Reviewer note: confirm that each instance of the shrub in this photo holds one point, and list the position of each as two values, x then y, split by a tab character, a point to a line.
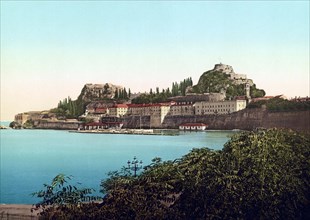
258	175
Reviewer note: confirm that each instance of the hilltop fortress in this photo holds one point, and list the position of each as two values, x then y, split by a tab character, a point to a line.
219	92
101	106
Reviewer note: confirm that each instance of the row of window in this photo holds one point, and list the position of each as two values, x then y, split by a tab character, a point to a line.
215	111
215	106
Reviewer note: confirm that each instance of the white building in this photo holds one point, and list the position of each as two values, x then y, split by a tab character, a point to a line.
222	107
182	109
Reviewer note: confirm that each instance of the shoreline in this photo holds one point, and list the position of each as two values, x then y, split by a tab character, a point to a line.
129	131
18	211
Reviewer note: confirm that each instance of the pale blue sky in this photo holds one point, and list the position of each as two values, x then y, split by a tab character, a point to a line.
50	49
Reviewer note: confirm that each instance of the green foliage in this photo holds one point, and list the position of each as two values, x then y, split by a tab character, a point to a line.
255	93
235	90
28	124
14	124
258	175
158	97
270	171
180	88
69	108
278	105
121	94
257	104
215	81
60	194
151	98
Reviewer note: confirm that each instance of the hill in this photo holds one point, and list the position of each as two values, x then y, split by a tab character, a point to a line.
222	78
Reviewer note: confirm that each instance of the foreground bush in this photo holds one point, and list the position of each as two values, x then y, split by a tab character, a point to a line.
257	175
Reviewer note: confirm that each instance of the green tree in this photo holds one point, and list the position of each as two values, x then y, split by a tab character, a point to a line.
61	194
125	93
258	175
116	96
129	93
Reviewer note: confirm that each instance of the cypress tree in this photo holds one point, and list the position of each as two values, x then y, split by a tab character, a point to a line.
116	94
125	94
129	93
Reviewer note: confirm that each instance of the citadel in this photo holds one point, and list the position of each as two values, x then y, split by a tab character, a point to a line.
191	108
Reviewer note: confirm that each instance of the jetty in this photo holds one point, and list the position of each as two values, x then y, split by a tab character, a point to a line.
126	131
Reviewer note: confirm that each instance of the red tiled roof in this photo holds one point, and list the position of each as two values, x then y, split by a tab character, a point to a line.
120	106
100	110
148	105
240	98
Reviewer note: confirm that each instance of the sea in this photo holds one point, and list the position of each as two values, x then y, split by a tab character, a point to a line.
30	158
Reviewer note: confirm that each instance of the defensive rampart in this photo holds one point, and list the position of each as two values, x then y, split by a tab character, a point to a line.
58	125
248	119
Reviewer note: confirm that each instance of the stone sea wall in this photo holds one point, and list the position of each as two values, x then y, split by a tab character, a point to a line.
247	120
58	125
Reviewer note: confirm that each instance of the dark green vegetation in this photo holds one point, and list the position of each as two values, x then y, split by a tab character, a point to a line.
216	81
122	94
15	125
157	96
278	105
69	108
258	175
62	194
29	124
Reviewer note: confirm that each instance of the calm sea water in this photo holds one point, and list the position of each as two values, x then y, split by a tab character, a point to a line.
30	158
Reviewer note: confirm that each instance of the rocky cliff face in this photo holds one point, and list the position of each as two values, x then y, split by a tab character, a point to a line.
93	92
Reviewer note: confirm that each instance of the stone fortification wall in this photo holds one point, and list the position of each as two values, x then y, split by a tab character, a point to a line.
59	125
247	120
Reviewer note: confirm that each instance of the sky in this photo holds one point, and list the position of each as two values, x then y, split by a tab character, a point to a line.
50	49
